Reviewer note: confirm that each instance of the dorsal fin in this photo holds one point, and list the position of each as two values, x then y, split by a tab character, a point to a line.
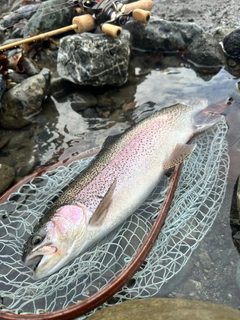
179	154
102	209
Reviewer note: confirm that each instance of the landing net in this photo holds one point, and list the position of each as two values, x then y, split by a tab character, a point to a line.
197	201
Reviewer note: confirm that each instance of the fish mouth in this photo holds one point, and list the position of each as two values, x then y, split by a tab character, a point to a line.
34	260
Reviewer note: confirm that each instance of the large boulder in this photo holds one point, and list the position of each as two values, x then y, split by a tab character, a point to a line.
94	59
200	47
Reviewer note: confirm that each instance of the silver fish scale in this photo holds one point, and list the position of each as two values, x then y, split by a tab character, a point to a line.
135	153
89	190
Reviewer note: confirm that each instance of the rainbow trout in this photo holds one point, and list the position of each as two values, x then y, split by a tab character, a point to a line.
113	186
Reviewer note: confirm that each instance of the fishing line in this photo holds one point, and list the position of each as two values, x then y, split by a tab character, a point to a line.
70	4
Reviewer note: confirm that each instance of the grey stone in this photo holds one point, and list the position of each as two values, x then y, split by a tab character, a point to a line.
94	59
81	100
201	47
166	309
3	86
22	101
231	44
238	197
47	74
163	35
7	175
43	20
30	67
205	50
24	12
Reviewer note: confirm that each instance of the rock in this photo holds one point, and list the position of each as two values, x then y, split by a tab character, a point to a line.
82	100
21	153
7	175
3	86
24	12
44	21
94	59
238	197
202	47
166	309
205	50
30	67
22	101
163	35
231	44
47	74
16	78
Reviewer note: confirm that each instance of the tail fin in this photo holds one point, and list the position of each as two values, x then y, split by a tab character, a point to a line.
210	116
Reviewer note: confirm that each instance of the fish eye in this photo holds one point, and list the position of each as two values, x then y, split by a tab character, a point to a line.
37	240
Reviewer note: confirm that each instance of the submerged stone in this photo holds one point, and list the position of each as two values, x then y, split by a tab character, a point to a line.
7	175
22	101
166	309
94	59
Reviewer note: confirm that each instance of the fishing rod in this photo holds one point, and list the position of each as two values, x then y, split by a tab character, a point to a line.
109	15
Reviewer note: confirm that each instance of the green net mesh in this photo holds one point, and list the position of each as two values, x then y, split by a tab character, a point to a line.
197	201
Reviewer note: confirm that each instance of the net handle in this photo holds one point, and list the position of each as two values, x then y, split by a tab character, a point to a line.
107	291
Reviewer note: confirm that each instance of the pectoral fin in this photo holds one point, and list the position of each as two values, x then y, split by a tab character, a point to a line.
102	209
179	154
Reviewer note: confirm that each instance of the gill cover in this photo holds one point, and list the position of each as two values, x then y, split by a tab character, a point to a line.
62	236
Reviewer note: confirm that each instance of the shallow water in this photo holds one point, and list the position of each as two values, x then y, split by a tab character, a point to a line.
60	132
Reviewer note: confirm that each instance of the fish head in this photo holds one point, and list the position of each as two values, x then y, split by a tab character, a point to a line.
58	241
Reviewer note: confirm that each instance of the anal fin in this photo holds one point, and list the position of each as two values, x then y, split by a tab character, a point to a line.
179	154
102	209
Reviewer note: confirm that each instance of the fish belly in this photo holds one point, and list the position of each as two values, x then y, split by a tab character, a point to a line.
137	168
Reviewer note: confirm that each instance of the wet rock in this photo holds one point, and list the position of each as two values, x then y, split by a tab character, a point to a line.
7	175
231	44
24	165
24	12
163	35
22	101
30	67
202	48
16	78
21	154
94	59
205	50
3	86
48	18
82	100
166	309
47	74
